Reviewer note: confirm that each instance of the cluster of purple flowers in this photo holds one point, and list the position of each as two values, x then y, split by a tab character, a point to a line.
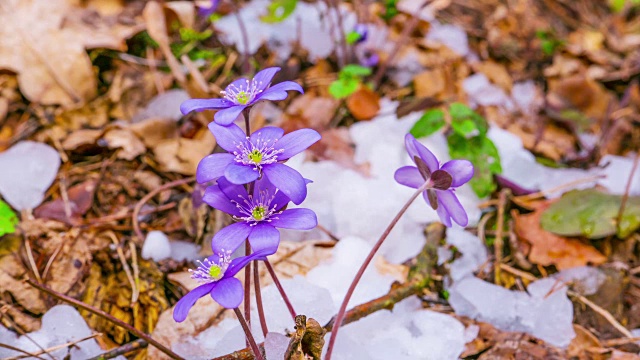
251	184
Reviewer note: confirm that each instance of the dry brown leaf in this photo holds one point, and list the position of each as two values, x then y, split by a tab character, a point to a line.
80	199
550	249
126	141
496	73
154	17
311	112
429	83
364	104
71	262
44	42
11	273
336	145
183	155
153	131
582	342
184	10
79	138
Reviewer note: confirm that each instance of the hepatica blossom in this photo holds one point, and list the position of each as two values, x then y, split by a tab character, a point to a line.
444	179
216	274
257	215
260	154
241	94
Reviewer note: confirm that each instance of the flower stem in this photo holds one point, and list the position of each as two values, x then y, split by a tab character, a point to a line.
343	307
247	332
247	285
281	289
256	283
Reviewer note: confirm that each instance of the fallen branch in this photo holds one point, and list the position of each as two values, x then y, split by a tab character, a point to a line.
135	345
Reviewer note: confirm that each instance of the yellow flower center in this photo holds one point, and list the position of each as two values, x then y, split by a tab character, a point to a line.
242	97
215	271
258	212
255	156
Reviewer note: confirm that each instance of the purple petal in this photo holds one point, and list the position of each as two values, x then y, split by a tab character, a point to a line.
228	137
204	104
279	91
264	77
238	84
185	304
212	167
449	201
264	237
230	238
415	148
238	263
460	170
444	216
229	115
241	174
409	176
232	191
296	142
265	186
218	200
297	219
268	134
228	292
287	180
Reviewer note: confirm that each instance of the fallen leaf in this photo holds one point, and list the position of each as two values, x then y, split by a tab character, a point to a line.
364	104
308	111
44	42
183	155
11	274
153	15
154	131
126	141
72	260
550	249
429	83
80	199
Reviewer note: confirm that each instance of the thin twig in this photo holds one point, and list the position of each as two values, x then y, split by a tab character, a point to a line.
32	262
57	347
152	193
498	244
7	346
105	315
604	313
283	294
135	345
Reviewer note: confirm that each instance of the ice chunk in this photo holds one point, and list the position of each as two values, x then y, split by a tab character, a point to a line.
337	274
275	345
28	169
441	336
452	36
482	92
156	246
306	298
617	174
183	250
471	333
474	253
545	312
527	97
584	279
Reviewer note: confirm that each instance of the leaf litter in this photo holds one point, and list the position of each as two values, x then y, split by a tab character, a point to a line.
538	93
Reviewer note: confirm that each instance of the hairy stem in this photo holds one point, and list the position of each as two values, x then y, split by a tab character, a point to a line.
247	286
343	307
252	342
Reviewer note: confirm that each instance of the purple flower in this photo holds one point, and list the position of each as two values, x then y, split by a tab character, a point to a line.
241	94
260	154
207	11
216	273
444	179
258	215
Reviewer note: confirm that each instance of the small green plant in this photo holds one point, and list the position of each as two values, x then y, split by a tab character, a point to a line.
390	9
8	219
549	43
467	140
618	5
349	79
189	44
279	10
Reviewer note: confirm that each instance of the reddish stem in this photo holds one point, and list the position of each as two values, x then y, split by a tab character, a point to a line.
343	307
256	283
247	332
281	289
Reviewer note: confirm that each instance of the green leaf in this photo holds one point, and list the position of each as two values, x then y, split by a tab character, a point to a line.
352	37
189	35
481	151
591	213
355	71
430	122
616	5
8	219
342	88
461	115
279	10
